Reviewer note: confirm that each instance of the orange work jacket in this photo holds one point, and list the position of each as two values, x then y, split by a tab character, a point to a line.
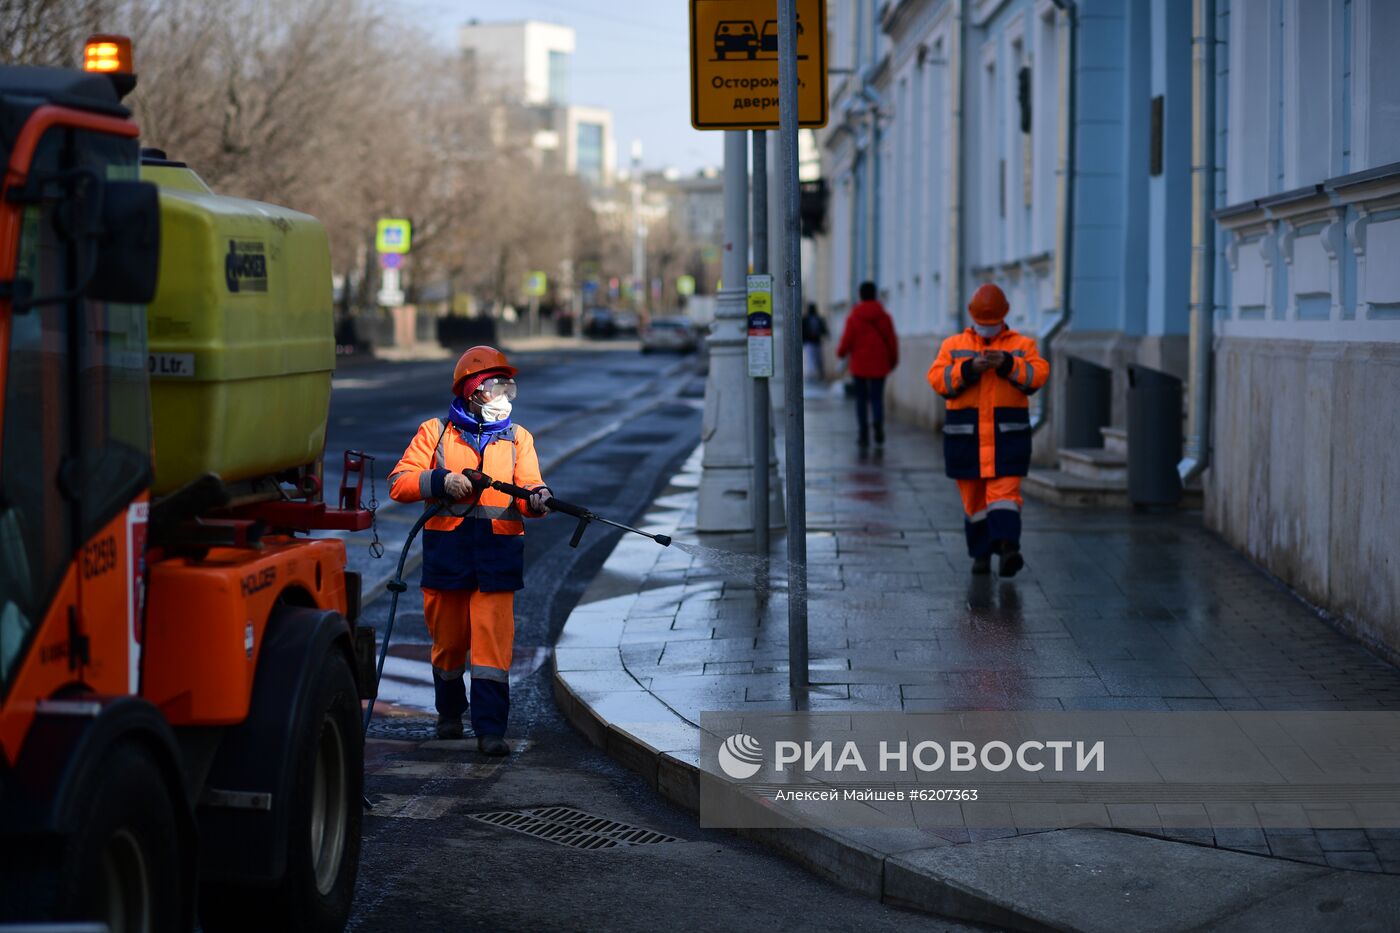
477	543
987	431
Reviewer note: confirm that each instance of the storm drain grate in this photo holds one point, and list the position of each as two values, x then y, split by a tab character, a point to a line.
573	828
407	728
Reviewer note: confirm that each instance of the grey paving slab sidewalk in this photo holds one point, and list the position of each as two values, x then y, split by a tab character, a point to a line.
1115	611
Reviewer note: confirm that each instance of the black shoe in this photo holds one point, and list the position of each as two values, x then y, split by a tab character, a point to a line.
1011	562
492	745
863	442
879	435
449	727
981	565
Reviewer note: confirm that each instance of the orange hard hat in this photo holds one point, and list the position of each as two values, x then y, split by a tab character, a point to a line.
480	361
988	305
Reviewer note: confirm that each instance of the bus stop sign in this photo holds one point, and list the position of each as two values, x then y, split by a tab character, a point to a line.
734	64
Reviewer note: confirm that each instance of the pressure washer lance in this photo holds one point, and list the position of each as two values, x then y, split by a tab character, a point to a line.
397	586
583	515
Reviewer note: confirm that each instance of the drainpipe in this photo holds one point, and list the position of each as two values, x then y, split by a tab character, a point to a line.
1197	447
872	214
954	284
1064	249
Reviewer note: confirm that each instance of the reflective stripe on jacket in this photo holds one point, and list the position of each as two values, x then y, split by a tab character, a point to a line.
474	544
987	431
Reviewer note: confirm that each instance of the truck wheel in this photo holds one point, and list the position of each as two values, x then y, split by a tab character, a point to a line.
122	865
324	834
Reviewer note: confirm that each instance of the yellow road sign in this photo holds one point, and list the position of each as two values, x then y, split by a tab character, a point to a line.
393	235
734	64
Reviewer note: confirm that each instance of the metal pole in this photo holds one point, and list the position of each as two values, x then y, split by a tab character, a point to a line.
792	346
761	404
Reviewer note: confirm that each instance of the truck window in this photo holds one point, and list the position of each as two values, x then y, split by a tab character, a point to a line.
35	517
115	441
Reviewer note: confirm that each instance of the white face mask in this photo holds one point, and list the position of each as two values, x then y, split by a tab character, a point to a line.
987	331
497	410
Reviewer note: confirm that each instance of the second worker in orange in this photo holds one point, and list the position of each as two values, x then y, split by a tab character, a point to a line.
987	374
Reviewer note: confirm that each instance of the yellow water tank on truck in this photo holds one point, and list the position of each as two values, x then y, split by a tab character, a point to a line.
241	331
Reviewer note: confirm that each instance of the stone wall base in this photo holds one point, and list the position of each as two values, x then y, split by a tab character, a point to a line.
1304	476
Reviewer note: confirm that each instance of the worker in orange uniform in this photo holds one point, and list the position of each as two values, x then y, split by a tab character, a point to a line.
474	550
988	374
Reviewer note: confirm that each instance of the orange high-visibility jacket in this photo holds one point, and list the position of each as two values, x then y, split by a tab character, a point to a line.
476	543
987	431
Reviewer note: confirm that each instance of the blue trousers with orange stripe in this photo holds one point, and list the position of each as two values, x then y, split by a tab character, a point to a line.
993	513
473	635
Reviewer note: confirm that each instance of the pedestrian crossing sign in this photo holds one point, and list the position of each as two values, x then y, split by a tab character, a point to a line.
393	235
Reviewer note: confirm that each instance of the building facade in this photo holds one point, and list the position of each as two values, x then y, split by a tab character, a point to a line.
527	68
1307	355
1145	177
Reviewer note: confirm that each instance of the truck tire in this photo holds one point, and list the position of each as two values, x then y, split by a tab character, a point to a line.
122	865
326	812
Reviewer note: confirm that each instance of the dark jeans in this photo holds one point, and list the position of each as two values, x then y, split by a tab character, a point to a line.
869	392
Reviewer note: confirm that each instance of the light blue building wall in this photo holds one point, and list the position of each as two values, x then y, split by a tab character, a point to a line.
1169	190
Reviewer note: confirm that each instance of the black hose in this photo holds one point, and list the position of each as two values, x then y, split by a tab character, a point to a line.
396	586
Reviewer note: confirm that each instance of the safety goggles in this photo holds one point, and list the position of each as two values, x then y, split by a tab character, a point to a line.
497	386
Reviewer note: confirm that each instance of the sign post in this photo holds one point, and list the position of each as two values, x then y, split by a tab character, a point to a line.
761	350
789	42
393	237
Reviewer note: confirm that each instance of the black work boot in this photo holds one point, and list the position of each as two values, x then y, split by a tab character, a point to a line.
492	745
1011	561
449	727
981	565
879	435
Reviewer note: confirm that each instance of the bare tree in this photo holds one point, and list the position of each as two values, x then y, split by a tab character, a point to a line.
334	108
50	32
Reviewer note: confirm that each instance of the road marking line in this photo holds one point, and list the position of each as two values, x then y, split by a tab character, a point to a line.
439	770
412	807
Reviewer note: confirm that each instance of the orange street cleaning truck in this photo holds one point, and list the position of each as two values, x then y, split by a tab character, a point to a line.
180	673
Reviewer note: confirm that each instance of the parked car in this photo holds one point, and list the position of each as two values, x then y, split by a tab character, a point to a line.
626	322
670	334
599	323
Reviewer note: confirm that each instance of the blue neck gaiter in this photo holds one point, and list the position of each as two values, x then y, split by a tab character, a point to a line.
479	431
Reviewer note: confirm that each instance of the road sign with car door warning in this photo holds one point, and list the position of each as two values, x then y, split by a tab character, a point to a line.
734	64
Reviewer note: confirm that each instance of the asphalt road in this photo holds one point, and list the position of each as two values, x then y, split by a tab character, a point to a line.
428	863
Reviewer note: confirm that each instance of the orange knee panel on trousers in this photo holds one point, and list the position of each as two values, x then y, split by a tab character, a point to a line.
977	494
470	627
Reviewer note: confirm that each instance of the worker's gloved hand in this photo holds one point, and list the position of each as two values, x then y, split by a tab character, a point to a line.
457	486
538	497
479	480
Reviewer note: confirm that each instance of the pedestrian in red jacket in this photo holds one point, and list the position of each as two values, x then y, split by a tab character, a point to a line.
869	341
